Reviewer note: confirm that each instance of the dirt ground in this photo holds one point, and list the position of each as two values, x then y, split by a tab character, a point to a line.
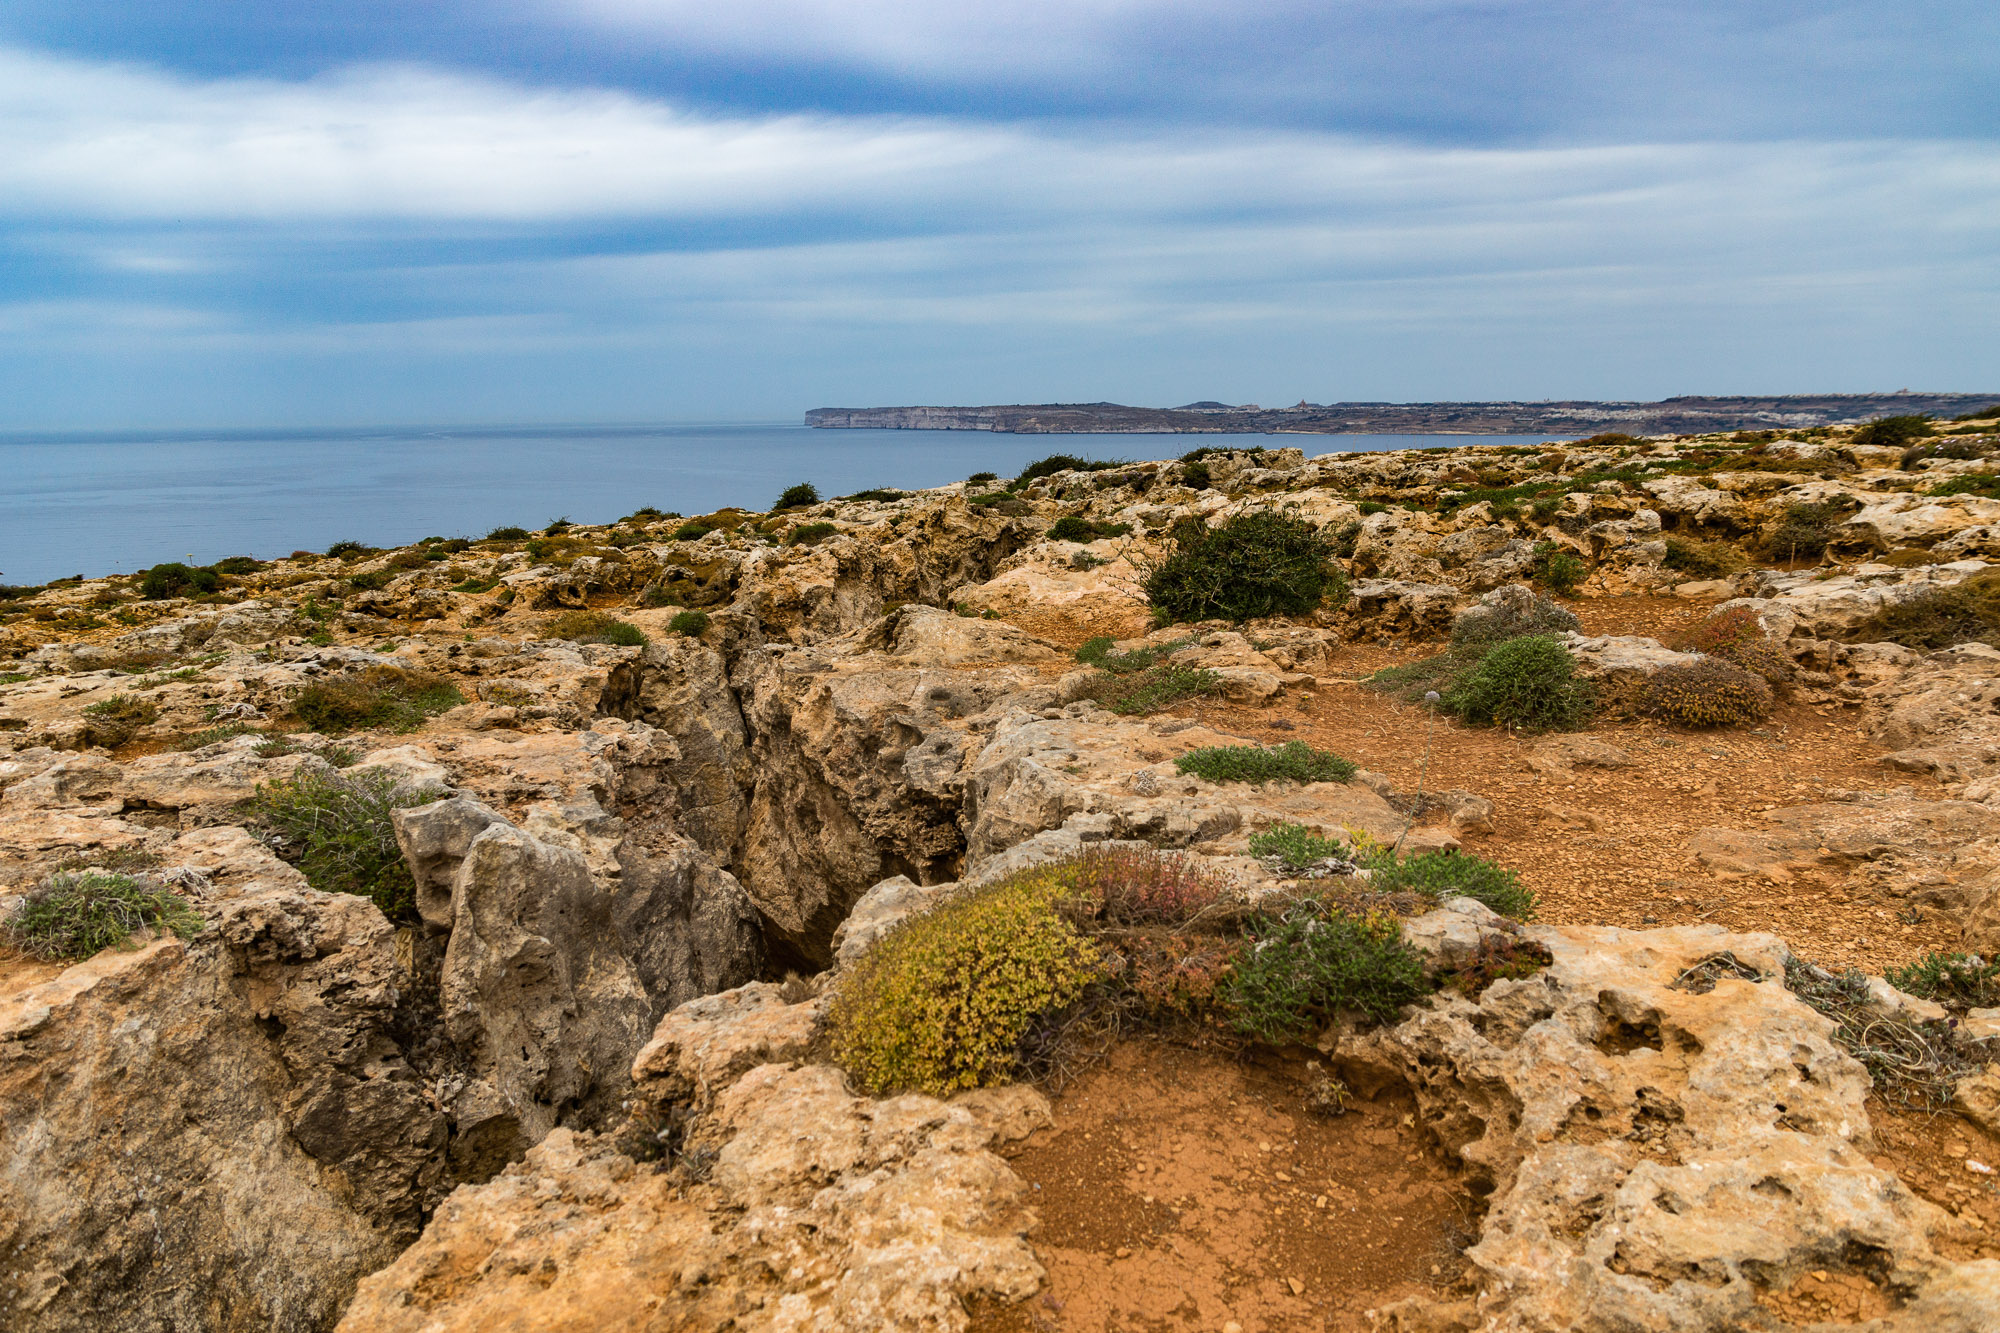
1191	1189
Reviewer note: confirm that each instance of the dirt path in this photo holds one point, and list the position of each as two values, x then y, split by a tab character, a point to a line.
1186	1189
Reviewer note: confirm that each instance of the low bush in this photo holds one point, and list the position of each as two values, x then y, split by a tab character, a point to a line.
1211	451
1968	980
195	740
811	534
1702	560
1804	530
596	627
370	580
1303	969
1709	693
694	624
876	495
1454	874
1498	621
1154	688
235	565
1556	569
346	549
72	916
1252	565
1894	431
978	478
1294	849
1608	439
384	697
336	829
1071	528
1963	612
945	1000
556	527
114	721
1054	463
1959	450
175	579
507	534
1983	414
1099	652
1736	636
1135	887
1496	958
798	497
1196	476
1528	684
1985	484
1294	760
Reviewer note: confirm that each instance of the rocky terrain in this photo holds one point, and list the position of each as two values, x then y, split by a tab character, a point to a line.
622	806
1567	417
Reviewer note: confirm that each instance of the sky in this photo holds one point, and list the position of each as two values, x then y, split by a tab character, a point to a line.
339	212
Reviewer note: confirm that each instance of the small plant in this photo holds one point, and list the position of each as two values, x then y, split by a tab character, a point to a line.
1196	476
1528	683
1252	565
1500	620
1071	528
1152	689
811	534
1805	530
1910	1064
1054	463
236	565
944	1001
1702	560
112	722
382	697
1454	874
1099	652
1134	887
557	526
73	916
694	624
694	529
196	740
979	477
1303	969
798	497
1545	507
1294	760
370	581
175	579
1556	569
346	549
1894	431
1736	636
1497	958
1709	693
1964	612
336	830
596	627
1968	980
1295	850
876	495
507	534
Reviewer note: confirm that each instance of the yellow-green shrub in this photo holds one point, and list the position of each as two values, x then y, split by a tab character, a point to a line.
943	1001
1708	693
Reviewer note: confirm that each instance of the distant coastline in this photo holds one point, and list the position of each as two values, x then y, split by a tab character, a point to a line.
1670	416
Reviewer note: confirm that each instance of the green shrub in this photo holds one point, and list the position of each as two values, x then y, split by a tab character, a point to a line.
1152	689
345	549
1252	565
694	624
945	1000
1735	636
370	580
1070	528
811	534
1546	507
1292	848
1368	507
234	565
1964	612
1892	431
876	495
596	627
1983	414
1966	979
1702	560
195	740
114	721
1196	476
1098	652
1303	969
1556	569
175	579
1142	887
1054	463
799	496
979	477
507	534
384	697
1454	874
336	830
557	526
1500	620
1608	439
1709	693
1294	760
1529	684
1804	530
1346	538
72	916
1210	451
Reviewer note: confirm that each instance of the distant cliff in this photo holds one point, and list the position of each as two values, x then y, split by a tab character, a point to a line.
1678	416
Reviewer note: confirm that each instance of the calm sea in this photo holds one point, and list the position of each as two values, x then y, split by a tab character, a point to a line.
102	504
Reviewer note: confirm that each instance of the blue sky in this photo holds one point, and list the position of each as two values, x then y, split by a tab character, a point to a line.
620	210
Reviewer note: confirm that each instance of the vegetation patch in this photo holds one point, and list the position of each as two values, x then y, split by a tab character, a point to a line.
1295	851
694	624
811	534
1500	621
73	916
116	720
1962	980
1894	431
1152	689
1071	528
1913	1065
1556	569
175	579
1528	684
876	495
596	627
1702	560
1964	612
798	497
1454	874
336	829
1306	967
1294	760
195	740
509	533
347	550
380	697
1054	463
945	1001
1805	530
1709	693
1252	565
1737	637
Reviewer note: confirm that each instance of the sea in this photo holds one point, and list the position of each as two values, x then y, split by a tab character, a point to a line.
98	504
